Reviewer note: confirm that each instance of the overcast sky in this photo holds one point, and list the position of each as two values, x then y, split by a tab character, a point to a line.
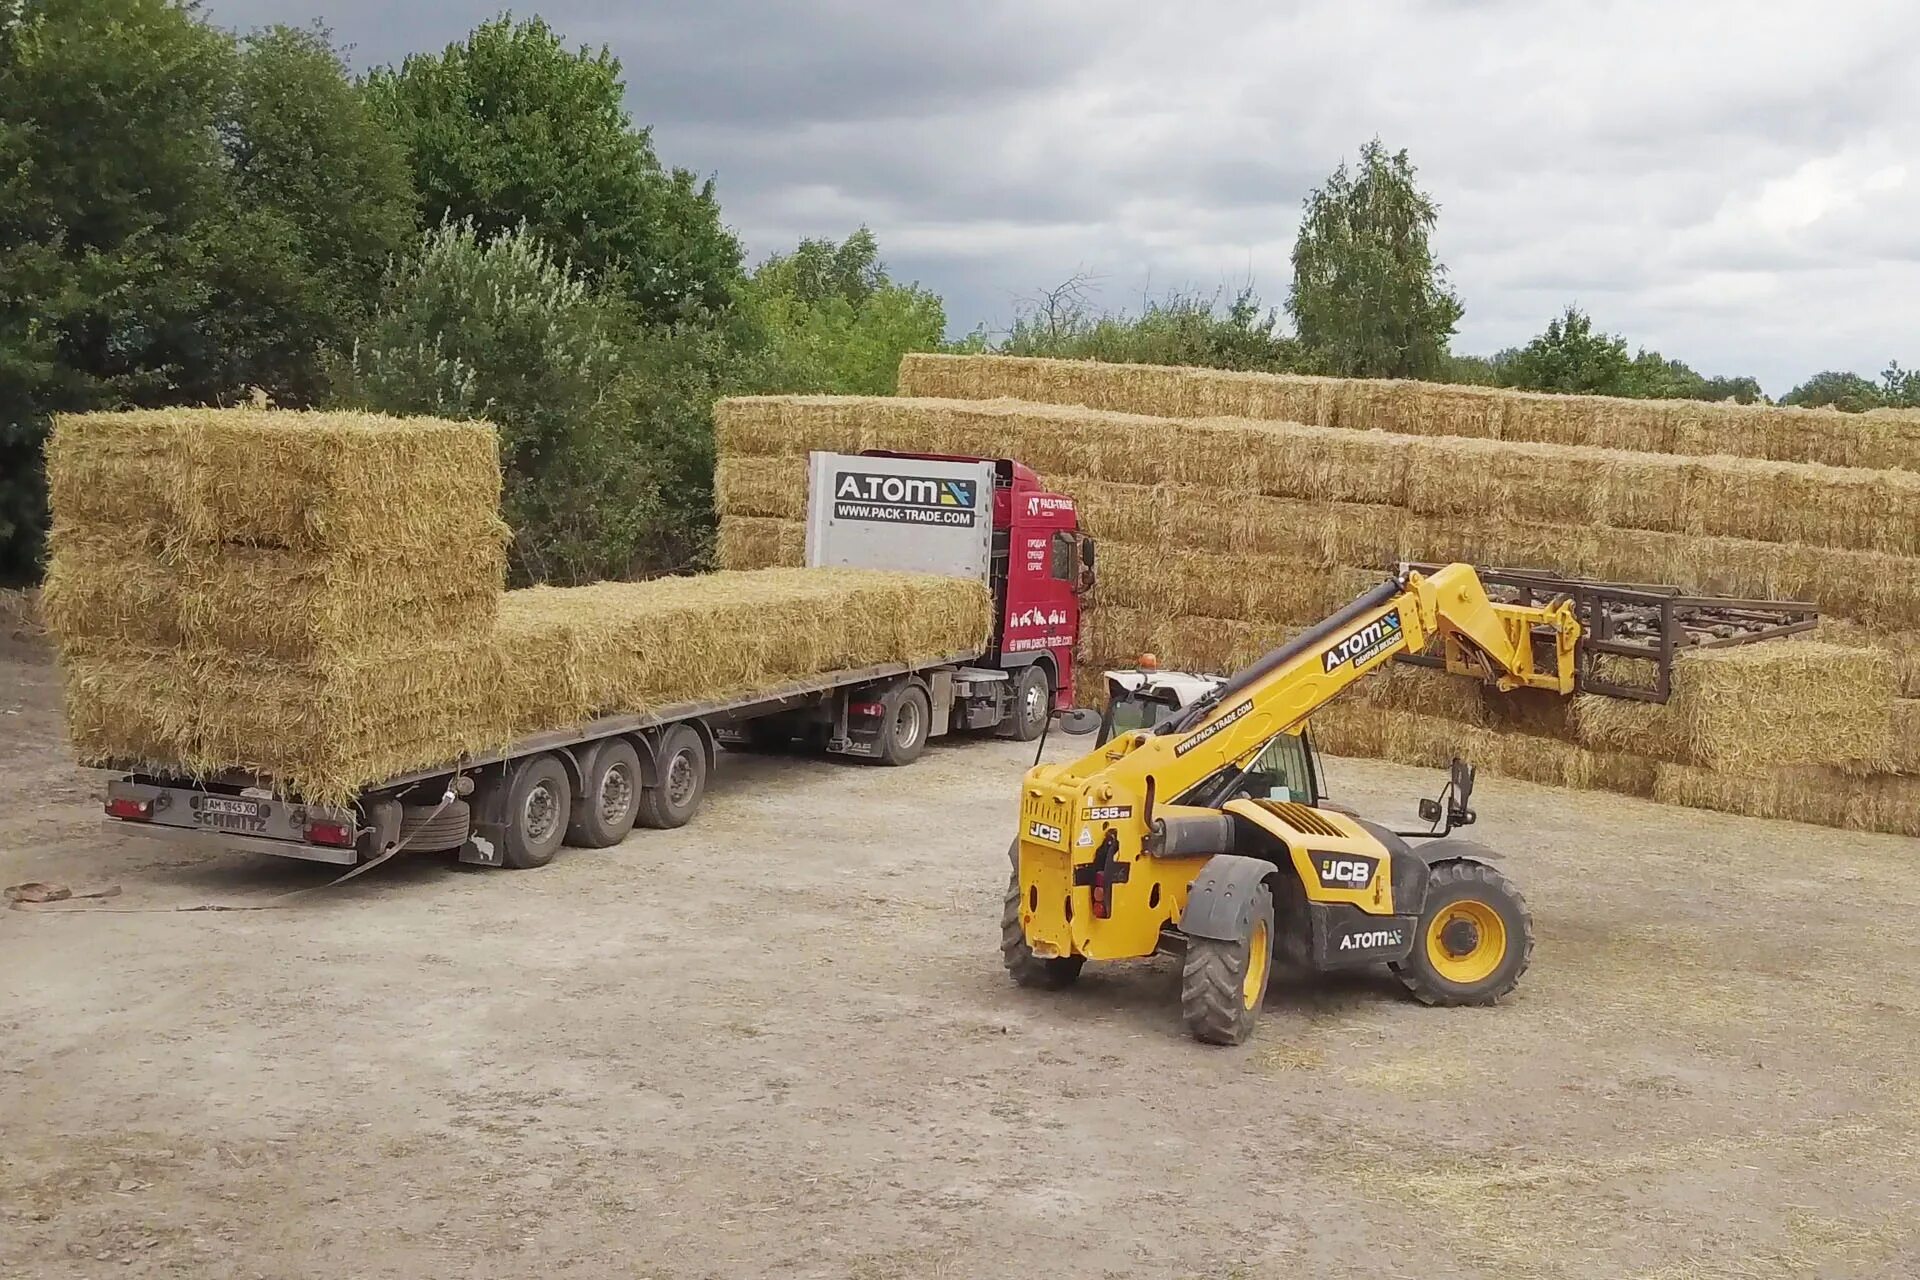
1733	182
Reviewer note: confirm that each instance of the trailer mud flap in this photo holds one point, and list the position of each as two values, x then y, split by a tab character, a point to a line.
484	844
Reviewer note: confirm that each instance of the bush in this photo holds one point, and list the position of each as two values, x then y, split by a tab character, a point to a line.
604	434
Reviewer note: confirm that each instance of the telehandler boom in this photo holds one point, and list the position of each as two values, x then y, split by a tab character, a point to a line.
1206	827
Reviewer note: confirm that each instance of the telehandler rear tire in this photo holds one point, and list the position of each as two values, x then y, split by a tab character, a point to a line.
1224	983
1045	973
1474	940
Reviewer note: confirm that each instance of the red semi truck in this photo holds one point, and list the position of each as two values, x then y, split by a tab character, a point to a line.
988	519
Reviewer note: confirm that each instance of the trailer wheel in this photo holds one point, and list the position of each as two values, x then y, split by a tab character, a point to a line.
539	801
903	731
605	809
1032	703
680	780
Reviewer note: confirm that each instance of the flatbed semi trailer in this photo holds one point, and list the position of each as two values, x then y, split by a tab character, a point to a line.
588	785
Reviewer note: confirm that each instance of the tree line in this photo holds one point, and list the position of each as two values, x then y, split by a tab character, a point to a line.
189	216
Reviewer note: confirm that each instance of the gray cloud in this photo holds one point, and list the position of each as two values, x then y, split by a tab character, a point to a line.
1736	184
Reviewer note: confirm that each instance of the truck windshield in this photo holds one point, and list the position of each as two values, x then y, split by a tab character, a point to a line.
1127	714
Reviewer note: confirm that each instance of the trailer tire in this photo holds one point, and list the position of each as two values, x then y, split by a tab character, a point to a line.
679	780
431	828
903	730
1032	703
609	799
539	803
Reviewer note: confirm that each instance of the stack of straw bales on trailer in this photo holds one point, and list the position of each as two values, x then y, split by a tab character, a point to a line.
317	598
1234	509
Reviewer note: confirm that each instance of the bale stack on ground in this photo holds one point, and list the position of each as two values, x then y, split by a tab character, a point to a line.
1885	439
1221	535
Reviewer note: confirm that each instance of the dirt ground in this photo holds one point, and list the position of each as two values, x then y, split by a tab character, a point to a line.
779	1043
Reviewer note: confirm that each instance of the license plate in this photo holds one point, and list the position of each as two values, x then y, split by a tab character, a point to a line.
230	807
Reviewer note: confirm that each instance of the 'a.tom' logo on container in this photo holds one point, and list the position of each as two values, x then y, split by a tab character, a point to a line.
894	499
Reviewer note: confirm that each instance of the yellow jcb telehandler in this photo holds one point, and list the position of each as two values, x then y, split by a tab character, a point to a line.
1198	822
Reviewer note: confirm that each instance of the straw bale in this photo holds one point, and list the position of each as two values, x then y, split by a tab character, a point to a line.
321	730
1352	727
751	542
1404	687
1259	589
774	488
1211	646
645	645
1757	707
1902	647
1906	736
303	481
1539	712
1887	803
264	600
1877	441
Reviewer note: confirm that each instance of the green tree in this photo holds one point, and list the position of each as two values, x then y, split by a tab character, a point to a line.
600	420
510	127
1834	389
111	179
321	201
1657	378
1180	329
1900	388
1368	298
1570	357
827	318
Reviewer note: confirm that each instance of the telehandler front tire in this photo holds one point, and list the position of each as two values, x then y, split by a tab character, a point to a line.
1044	973
1224	982
1474	940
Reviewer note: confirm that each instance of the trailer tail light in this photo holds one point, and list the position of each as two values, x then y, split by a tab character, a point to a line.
130	809
337	834
875	709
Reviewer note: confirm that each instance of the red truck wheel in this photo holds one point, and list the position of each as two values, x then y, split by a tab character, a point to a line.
1032	704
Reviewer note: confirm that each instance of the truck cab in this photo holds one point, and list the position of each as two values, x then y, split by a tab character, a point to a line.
988	519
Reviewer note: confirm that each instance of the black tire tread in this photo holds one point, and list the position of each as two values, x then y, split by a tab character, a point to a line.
1212	976
421	831
514	851
584	827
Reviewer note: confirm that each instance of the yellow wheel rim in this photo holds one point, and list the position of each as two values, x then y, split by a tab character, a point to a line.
1466	941
1258	948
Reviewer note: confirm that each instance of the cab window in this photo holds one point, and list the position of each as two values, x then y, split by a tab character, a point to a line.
1061	560
1281	771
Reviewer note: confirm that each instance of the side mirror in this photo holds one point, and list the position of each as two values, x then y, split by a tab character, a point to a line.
1080	721
1429	810
1087	574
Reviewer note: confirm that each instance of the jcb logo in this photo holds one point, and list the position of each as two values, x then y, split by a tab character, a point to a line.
1346	873
1043	831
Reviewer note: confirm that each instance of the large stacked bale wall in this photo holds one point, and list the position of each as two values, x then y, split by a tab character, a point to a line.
1219	537
317	598
1883	439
